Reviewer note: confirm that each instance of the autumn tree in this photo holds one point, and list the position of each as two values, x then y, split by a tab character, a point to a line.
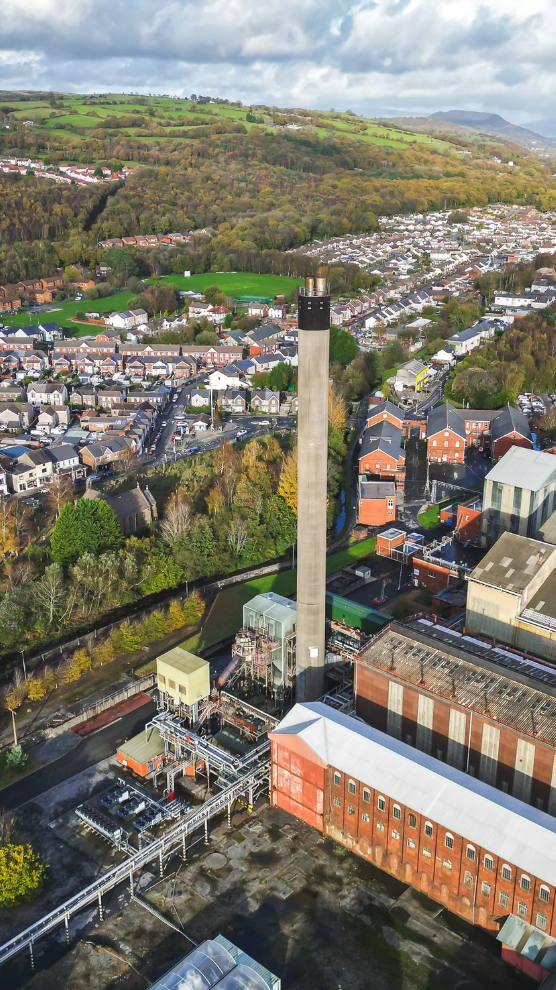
287	486
176	617
193	608
215	501
8	536
14	698
21	874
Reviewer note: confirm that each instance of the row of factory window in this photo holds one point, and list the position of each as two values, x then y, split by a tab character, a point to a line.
488	862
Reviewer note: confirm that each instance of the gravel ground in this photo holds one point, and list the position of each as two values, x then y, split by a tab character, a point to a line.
313	913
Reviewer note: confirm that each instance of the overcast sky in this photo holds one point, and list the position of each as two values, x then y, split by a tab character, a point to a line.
419	55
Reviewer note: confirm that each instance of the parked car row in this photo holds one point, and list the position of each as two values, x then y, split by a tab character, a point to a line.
530	404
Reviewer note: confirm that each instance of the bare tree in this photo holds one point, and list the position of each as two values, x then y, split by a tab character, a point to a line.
237	535
50	592
128	462
177	518
61	490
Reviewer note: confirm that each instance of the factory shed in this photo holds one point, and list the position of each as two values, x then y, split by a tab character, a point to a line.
493	821
142	753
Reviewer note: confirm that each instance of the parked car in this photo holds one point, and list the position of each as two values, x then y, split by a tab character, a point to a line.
380	599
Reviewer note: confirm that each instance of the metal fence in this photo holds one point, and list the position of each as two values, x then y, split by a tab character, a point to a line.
100	706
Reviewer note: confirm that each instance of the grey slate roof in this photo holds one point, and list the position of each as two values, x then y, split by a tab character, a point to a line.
445	417
384	436
387	407
509	420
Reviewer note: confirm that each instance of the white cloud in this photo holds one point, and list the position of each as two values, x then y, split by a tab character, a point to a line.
494	55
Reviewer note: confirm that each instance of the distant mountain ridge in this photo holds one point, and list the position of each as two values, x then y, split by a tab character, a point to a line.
493	123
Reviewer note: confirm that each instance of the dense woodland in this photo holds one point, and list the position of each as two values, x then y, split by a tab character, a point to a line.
261	191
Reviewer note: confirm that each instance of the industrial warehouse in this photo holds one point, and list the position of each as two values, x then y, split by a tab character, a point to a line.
424	745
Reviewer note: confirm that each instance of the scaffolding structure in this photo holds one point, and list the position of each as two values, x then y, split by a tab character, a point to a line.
261	658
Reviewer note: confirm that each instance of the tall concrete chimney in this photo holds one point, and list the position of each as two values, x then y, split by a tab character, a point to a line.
312	450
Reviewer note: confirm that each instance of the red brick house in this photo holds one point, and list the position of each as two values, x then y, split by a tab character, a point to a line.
385	412
468	522
377	503
381	454
450	431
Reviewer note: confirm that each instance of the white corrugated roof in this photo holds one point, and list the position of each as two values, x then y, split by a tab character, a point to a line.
530	469
497	822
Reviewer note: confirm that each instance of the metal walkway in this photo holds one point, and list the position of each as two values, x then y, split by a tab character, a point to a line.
252	776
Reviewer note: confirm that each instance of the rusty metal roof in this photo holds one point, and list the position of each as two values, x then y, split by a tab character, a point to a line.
487	678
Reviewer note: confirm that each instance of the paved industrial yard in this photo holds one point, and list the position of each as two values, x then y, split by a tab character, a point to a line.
316	915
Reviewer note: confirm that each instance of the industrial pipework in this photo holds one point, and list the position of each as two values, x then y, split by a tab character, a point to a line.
314	345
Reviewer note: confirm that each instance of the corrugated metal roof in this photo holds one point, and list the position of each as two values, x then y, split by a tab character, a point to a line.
524	468
442	661
273	606
481	814
143	747
528	941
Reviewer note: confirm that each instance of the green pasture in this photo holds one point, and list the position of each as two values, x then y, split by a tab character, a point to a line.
62	312
239	284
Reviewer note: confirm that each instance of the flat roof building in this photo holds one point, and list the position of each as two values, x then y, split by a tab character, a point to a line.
477	705
143	753
511	595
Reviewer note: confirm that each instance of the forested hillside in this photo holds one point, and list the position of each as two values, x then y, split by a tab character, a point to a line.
262	180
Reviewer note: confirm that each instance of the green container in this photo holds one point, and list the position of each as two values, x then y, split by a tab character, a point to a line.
368	620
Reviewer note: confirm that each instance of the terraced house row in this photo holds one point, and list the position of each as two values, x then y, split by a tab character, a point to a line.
105	355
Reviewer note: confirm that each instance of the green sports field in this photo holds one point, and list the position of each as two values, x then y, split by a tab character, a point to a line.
63	312
241	285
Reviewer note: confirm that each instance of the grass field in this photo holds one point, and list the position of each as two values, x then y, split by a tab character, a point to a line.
239	284
62	312
225	616
73	111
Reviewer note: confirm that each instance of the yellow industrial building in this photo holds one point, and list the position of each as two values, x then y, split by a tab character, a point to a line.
183	679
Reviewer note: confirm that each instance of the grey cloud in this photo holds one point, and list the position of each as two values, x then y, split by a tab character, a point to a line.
494	56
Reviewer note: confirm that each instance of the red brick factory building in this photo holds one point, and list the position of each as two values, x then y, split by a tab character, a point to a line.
482	854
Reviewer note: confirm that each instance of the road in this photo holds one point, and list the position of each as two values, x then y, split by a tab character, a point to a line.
86	753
